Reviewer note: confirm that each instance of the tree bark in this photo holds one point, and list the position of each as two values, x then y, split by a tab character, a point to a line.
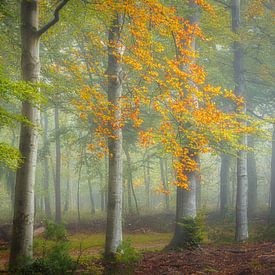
272	187
46	168
148	183
164	183
241	200
130	185
198	186
114	209
186	202
57	168
252	179
78	192
185	207
224	184
91	196
22	233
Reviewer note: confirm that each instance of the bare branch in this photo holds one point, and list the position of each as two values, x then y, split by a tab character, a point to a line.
54	20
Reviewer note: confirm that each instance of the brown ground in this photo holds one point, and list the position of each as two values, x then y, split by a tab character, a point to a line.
211	259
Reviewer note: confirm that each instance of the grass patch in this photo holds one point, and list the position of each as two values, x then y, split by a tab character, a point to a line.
94	243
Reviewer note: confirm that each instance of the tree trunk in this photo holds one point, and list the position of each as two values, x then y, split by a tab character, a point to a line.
164	183
22	233
148	183
272	187
57	168
91	196
252	179
130	185
78	192
68	190
241	200
185	207
46	168
114	209
102	192
186	202
198	186
224	184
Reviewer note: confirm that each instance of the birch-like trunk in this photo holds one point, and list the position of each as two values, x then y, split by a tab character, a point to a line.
224	184
164	182
46	169
57	168
252	179
22	233
241	200
114	206
272	187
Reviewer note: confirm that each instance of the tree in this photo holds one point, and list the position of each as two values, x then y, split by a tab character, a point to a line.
272	187
114	71
241	201
22	232
224	186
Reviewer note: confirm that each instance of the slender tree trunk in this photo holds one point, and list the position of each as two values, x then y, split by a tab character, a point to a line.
91	196
130	185
129	190
224	184
241	200
22	232
148	183
68	190
46	168
57	168
198	186
252	179
272	187
78	192
102	192
164	183
114	210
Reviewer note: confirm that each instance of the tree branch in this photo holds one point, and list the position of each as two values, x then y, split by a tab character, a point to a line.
54	20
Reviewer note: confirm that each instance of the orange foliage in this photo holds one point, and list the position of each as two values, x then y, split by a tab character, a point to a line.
191	121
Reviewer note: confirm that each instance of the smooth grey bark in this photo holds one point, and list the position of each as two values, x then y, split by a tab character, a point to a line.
130	186
114	209
91	195
242	183
198	185
252	178
224	184
102	192
22	232
185	207
46	168
57	167
186	202
164	182
272	186
148	183
78	192
68	197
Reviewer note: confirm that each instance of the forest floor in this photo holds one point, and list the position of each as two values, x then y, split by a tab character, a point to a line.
256	258
218	254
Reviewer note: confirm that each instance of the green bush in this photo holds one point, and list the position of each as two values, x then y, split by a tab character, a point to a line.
55	232
126	253
57	262
191	233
